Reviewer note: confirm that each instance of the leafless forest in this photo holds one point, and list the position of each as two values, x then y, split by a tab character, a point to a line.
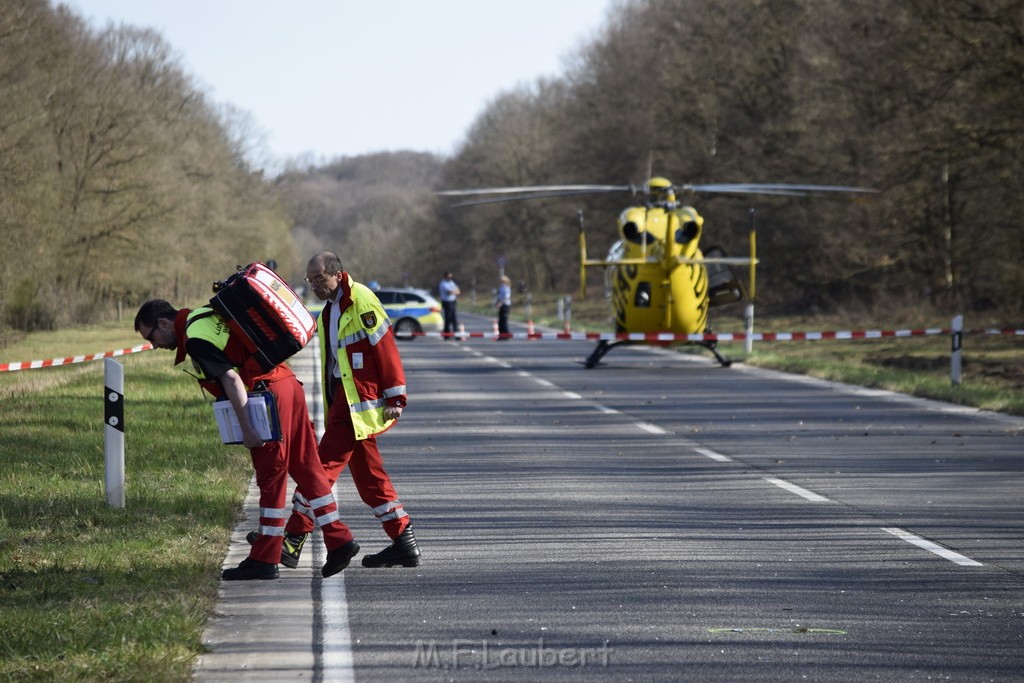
120	180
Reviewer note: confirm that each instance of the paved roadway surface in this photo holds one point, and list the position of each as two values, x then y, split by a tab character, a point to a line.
657	518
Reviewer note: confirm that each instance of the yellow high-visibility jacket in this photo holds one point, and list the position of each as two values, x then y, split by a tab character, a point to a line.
367	357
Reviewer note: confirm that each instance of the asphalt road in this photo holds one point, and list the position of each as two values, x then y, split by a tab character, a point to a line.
662	518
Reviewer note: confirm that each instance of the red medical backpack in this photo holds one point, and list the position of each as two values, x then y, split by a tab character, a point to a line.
272	319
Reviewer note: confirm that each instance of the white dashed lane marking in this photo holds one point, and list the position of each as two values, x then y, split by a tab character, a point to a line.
944	553
714	456
781	483
800	491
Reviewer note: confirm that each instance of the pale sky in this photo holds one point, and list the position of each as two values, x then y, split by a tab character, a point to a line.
347	77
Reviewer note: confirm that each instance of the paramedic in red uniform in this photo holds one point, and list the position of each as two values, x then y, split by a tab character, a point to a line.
223	367
364	391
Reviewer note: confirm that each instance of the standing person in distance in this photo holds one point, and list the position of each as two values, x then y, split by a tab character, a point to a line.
503	302
449	293
224	367
364	394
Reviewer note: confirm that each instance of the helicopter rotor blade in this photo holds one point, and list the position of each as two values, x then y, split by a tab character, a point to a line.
487	195
531	189
780	189
534	192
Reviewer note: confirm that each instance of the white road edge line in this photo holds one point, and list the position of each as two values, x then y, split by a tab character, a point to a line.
714	456
337	660
337	663
793	488
924	543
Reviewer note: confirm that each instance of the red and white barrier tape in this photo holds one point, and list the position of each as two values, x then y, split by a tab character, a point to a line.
721	336
55	362
663	337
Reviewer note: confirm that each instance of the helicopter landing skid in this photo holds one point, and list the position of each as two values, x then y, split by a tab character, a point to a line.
603	347
599	351
711	346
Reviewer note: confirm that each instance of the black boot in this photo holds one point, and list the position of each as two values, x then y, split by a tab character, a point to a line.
339	558
403	552
250	569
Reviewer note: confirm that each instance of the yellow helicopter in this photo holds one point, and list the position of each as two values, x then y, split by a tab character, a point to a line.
659	280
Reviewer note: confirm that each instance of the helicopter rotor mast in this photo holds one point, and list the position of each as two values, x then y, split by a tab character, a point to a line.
583	255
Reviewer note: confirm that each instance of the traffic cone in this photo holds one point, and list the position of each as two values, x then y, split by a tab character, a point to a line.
529	327
494	326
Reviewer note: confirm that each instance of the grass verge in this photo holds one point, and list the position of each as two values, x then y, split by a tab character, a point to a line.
92	592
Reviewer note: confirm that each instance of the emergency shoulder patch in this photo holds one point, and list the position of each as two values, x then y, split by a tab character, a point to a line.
369	319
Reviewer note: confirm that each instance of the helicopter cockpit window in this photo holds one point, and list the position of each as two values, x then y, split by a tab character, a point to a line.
631	231
686	233
642	298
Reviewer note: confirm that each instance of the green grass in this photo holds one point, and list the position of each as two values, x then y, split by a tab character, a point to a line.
92	592
992	377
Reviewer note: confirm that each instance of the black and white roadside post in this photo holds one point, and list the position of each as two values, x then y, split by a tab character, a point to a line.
958	350
113	418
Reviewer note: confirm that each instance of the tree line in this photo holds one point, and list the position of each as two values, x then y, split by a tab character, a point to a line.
120	180
920	99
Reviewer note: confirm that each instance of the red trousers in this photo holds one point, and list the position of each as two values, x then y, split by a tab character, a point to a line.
295	455
338	448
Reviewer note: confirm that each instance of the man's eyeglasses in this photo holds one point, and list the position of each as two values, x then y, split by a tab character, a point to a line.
318	280
152	331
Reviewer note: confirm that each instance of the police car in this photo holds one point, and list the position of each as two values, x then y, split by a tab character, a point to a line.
411	311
